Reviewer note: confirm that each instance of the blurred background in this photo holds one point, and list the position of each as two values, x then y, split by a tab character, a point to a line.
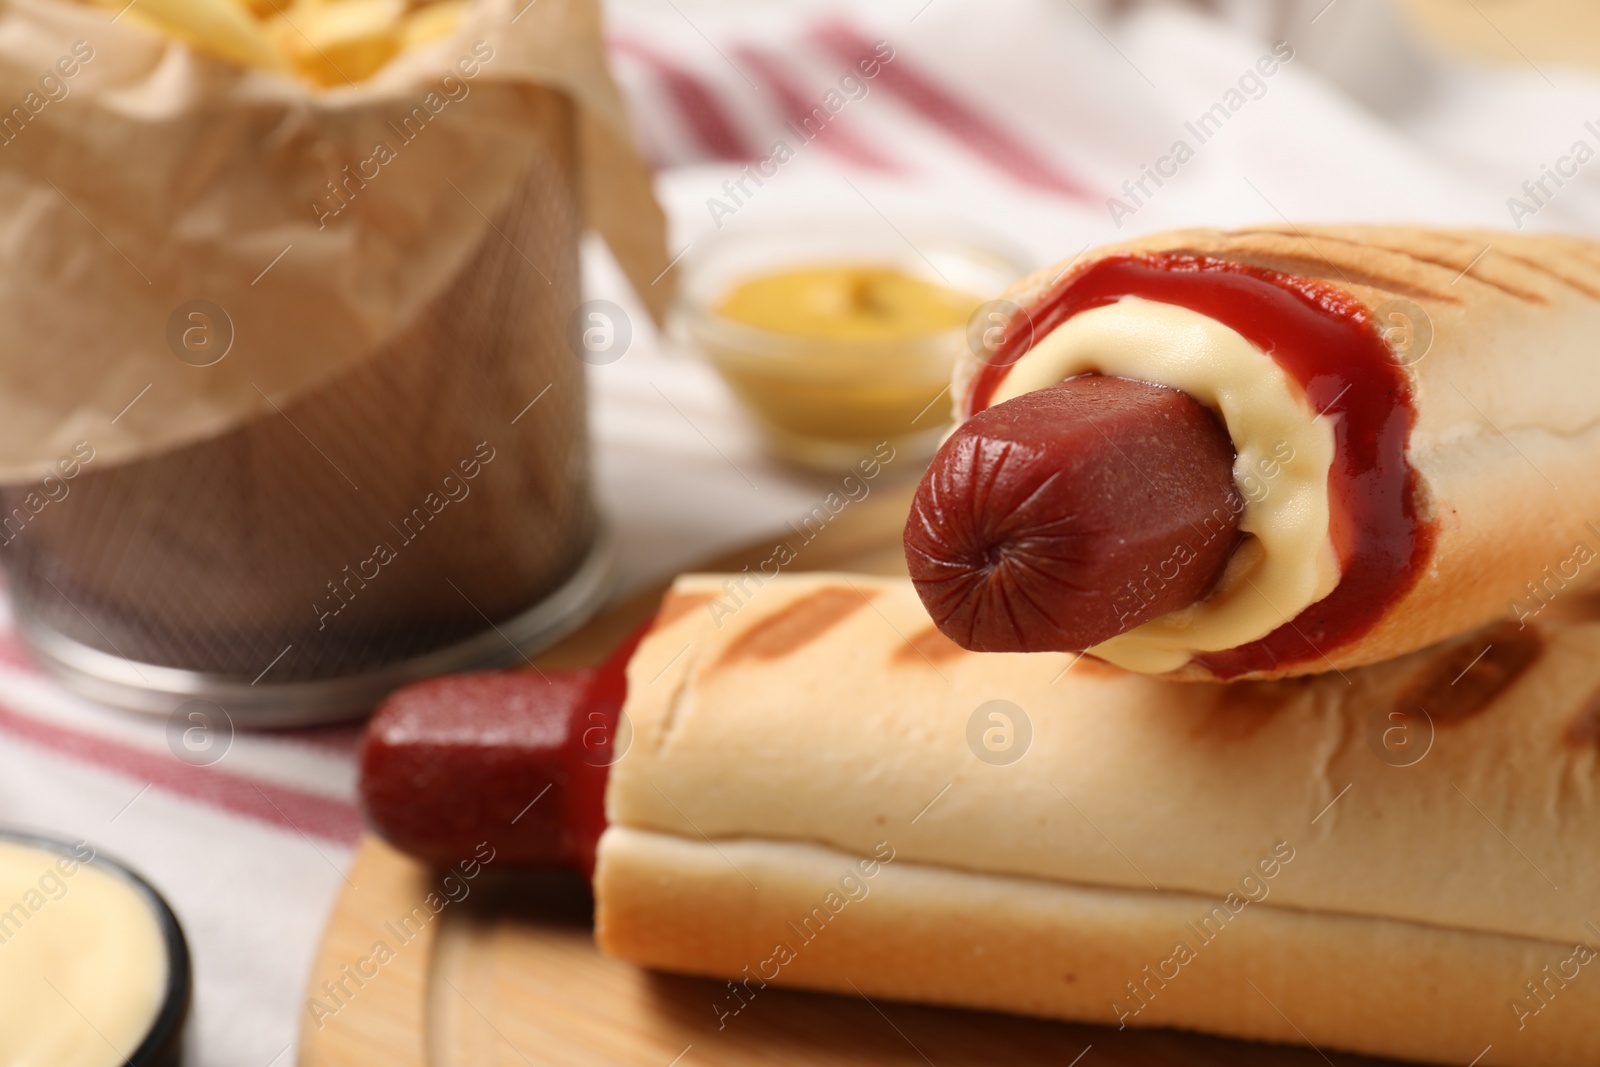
1031	129
1027	119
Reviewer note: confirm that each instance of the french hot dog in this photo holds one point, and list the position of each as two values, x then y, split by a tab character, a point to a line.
1413	425
824	792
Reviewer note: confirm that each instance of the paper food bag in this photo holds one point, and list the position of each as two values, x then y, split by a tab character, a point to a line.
188	245
289	369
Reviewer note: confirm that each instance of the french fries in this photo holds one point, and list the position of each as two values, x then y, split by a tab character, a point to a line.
431	22
338	42
325	42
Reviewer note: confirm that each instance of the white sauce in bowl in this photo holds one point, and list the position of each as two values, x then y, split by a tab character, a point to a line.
83	960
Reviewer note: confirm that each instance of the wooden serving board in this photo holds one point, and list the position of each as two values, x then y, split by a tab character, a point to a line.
509	974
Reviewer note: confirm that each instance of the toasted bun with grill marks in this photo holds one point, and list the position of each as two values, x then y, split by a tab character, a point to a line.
1399	830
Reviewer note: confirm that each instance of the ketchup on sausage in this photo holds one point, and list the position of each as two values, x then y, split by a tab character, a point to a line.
1329	343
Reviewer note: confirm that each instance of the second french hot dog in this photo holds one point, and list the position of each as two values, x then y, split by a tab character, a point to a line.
1412	423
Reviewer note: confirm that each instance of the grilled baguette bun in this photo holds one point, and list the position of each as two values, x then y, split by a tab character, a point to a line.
817	795
1493	333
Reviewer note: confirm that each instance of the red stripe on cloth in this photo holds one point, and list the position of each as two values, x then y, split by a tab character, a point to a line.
13	653
981	133
712	126
769	68
276	805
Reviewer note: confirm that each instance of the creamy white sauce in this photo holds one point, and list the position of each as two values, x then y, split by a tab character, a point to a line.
83	963
1284	451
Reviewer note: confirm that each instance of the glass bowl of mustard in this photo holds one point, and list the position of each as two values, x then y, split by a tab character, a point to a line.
839	335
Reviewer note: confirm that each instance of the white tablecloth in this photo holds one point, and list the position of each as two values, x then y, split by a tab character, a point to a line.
1024	116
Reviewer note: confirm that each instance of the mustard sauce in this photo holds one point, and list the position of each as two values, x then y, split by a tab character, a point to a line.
835	359
847	303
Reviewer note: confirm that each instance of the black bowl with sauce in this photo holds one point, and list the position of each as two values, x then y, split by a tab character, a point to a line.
162	1043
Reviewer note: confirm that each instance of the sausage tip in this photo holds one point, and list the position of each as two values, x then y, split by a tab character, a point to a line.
1066	516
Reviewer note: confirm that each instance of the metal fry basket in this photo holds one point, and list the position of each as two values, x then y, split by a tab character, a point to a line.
428	511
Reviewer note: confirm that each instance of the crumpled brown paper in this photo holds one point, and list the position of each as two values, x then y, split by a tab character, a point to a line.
153	177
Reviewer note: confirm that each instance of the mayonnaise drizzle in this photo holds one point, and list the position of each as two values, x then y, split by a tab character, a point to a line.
1284	451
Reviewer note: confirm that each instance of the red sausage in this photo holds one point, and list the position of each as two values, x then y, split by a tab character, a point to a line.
512	758
1066	516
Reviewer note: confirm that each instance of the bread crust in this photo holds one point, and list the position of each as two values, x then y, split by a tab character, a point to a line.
828	709
758	912
782	735
1508	409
